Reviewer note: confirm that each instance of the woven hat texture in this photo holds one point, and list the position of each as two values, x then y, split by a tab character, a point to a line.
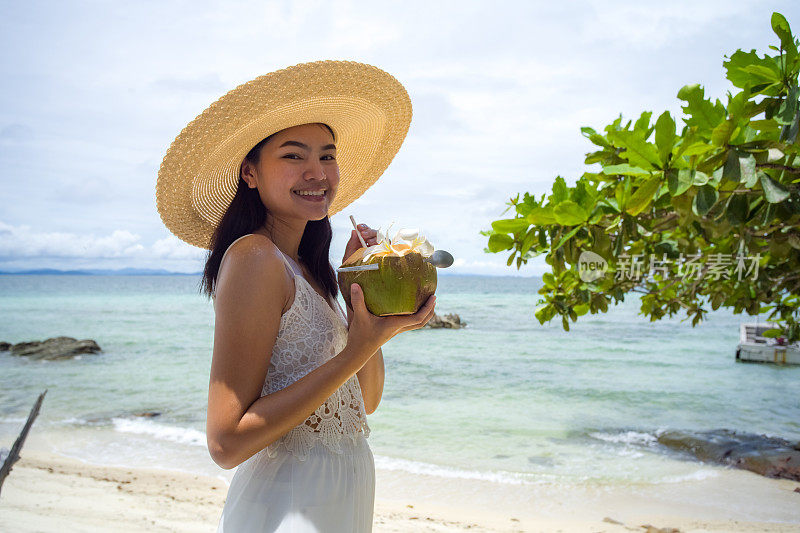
368	110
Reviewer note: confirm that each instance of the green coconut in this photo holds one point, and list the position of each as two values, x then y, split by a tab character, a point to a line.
400	286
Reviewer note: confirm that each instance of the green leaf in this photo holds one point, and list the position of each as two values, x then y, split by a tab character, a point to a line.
638	152
595	157
541	313
763	125
762	71
511	258
611	202
747	167
700	178
679	181
706	197
643	124
595	137
722	133
566	237
585	194
581	309
781	28
568	213
642	197
624	170
737	208
789	133
530	238
665	136
524	208
788	108
541	216
774	192
499	242
702	113
697	148
731	171
560	190
741	78
737	105
510	225
622	193
542	238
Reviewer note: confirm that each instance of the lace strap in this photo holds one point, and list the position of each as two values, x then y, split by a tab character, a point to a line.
294	270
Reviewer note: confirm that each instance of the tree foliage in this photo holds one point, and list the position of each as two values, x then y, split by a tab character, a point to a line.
705	216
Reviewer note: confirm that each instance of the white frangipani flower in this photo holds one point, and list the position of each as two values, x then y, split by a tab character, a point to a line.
406	240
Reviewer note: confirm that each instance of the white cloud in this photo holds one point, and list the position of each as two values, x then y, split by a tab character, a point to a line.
18	242
652	25
203	83
499	93
173	248
22	241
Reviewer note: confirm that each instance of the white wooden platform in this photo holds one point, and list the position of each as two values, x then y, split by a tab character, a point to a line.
757	349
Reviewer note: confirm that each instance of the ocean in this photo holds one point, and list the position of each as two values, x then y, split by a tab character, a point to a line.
504	399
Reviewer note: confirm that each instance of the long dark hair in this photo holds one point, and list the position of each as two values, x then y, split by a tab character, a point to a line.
247	213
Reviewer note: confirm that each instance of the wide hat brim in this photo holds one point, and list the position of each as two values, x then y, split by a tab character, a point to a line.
368	110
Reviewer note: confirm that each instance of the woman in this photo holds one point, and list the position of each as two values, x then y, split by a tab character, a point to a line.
292	378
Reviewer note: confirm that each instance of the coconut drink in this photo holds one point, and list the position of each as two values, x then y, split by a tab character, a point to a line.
394	275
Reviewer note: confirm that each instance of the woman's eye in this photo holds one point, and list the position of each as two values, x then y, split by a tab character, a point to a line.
328	157
291	156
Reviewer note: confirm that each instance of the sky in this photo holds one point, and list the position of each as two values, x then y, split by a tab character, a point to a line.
93	94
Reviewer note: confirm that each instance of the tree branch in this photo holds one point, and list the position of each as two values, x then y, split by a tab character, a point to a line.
13	455
790	170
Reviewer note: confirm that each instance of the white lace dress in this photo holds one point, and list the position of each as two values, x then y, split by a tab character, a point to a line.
319	477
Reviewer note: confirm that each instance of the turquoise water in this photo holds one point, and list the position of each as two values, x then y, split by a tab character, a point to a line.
504	399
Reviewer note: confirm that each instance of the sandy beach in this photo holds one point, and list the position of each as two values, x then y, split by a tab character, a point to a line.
46	492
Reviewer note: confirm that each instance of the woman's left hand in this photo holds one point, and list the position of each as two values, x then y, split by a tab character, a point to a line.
370	237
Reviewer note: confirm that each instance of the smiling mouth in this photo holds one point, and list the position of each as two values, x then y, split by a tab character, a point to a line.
314	196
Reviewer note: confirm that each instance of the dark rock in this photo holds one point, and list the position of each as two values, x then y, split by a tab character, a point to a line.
148	414
55	348
5	346
450	321
768	456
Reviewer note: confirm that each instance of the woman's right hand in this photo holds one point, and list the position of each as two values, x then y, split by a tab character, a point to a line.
370	332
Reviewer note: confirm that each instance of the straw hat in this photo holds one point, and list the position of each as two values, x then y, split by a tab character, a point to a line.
368	110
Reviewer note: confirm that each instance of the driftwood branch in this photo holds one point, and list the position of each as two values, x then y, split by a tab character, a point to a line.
13	455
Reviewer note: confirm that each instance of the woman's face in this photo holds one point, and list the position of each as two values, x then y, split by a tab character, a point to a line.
297	174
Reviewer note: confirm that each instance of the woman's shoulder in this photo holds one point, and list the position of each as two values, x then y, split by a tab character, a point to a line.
256	259
253	248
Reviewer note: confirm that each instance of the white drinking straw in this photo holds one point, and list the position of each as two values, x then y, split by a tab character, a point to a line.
360	238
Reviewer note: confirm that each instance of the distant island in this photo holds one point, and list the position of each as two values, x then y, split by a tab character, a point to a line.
101	272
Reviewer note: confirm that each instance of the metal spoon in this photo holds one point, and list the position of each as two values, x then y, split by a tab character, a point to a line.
440	259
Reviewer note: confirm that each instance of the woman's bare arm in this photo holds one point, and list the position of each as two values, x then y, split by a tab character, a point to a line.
370	377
